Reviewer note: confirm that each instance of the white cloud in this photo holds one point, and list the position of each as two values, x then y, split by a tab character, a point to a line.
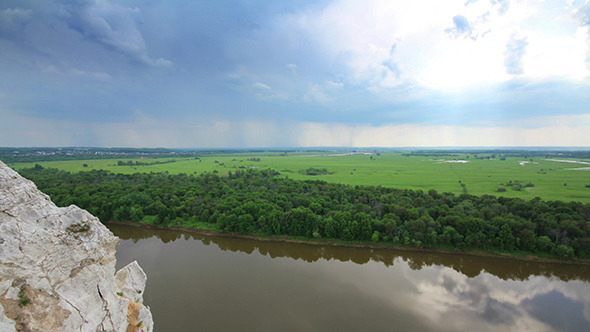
549	56
12	19
251	83
261	86
322	94
74	72
515	50
420	41
293	68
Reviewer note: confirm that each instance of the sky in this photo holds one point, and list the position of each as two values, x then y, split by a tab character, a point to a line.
232	74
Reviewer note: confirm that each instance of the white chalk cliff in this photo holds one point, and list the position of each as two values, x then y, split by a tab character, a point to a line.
57	267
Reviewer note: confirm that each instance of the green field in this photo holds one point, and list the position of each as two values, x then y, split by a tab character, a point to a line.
550	180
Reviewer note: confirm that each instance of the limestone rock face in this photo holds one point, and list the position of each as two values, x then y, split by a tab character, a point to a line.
57	267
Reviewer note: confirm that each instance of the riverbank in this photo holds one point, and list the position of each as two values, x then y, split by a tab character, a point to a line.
528	257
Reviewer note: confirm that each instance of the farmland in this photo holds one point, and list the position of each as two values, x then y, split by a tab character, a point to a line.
511	176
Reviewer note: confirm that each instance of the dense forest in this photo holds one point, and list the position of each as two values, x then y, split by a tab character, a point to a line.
259	201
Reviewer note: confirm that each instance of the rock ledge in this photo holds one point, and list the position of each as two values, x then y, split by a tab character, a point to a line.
57	267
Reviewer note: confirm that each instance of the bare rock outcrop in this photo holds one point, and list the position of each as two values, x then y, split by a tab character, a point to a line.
57	267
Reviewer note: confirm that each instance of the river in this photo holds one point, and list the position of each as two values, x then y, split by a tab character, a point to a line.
212	283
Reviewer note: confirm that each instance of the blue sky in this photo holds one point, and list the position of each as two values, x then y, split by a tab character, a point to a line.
194	74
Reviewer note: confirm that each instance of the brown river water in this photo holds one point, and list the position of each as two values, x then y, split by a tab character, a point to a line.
212	283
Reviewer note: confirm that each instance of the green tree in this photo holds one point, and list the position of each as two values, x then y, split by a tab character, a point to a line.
564	251
505	240
375	236
450	236
544	244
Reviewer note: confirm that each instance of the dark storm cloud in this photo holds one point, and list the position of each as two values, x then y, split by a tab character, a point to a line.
113	26
100	22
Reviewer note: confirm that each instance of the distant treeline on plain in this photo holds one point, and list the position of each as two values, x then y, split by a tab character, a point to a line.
23	155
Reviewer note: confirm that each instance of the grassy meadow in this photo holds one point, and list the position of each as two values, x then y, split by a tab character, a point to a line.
545	178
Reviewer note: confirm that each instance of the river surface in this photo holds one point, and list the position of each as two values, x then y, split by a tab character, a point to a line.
211	283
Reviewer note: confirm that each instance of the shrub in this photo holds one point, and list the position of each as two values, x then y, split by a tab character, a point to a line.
564	251
375	236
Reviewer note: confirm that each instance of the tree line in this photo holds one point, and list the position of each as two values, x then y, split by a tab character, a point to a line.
251	201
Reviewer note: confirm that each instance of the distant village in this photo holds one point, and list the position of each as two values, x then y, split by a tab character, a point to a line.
10	155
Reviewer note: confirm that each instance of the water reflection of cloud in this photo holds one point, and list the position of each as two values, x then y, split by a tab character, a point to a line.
471	304
497	312
571	312
312	286
577	291
453	301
